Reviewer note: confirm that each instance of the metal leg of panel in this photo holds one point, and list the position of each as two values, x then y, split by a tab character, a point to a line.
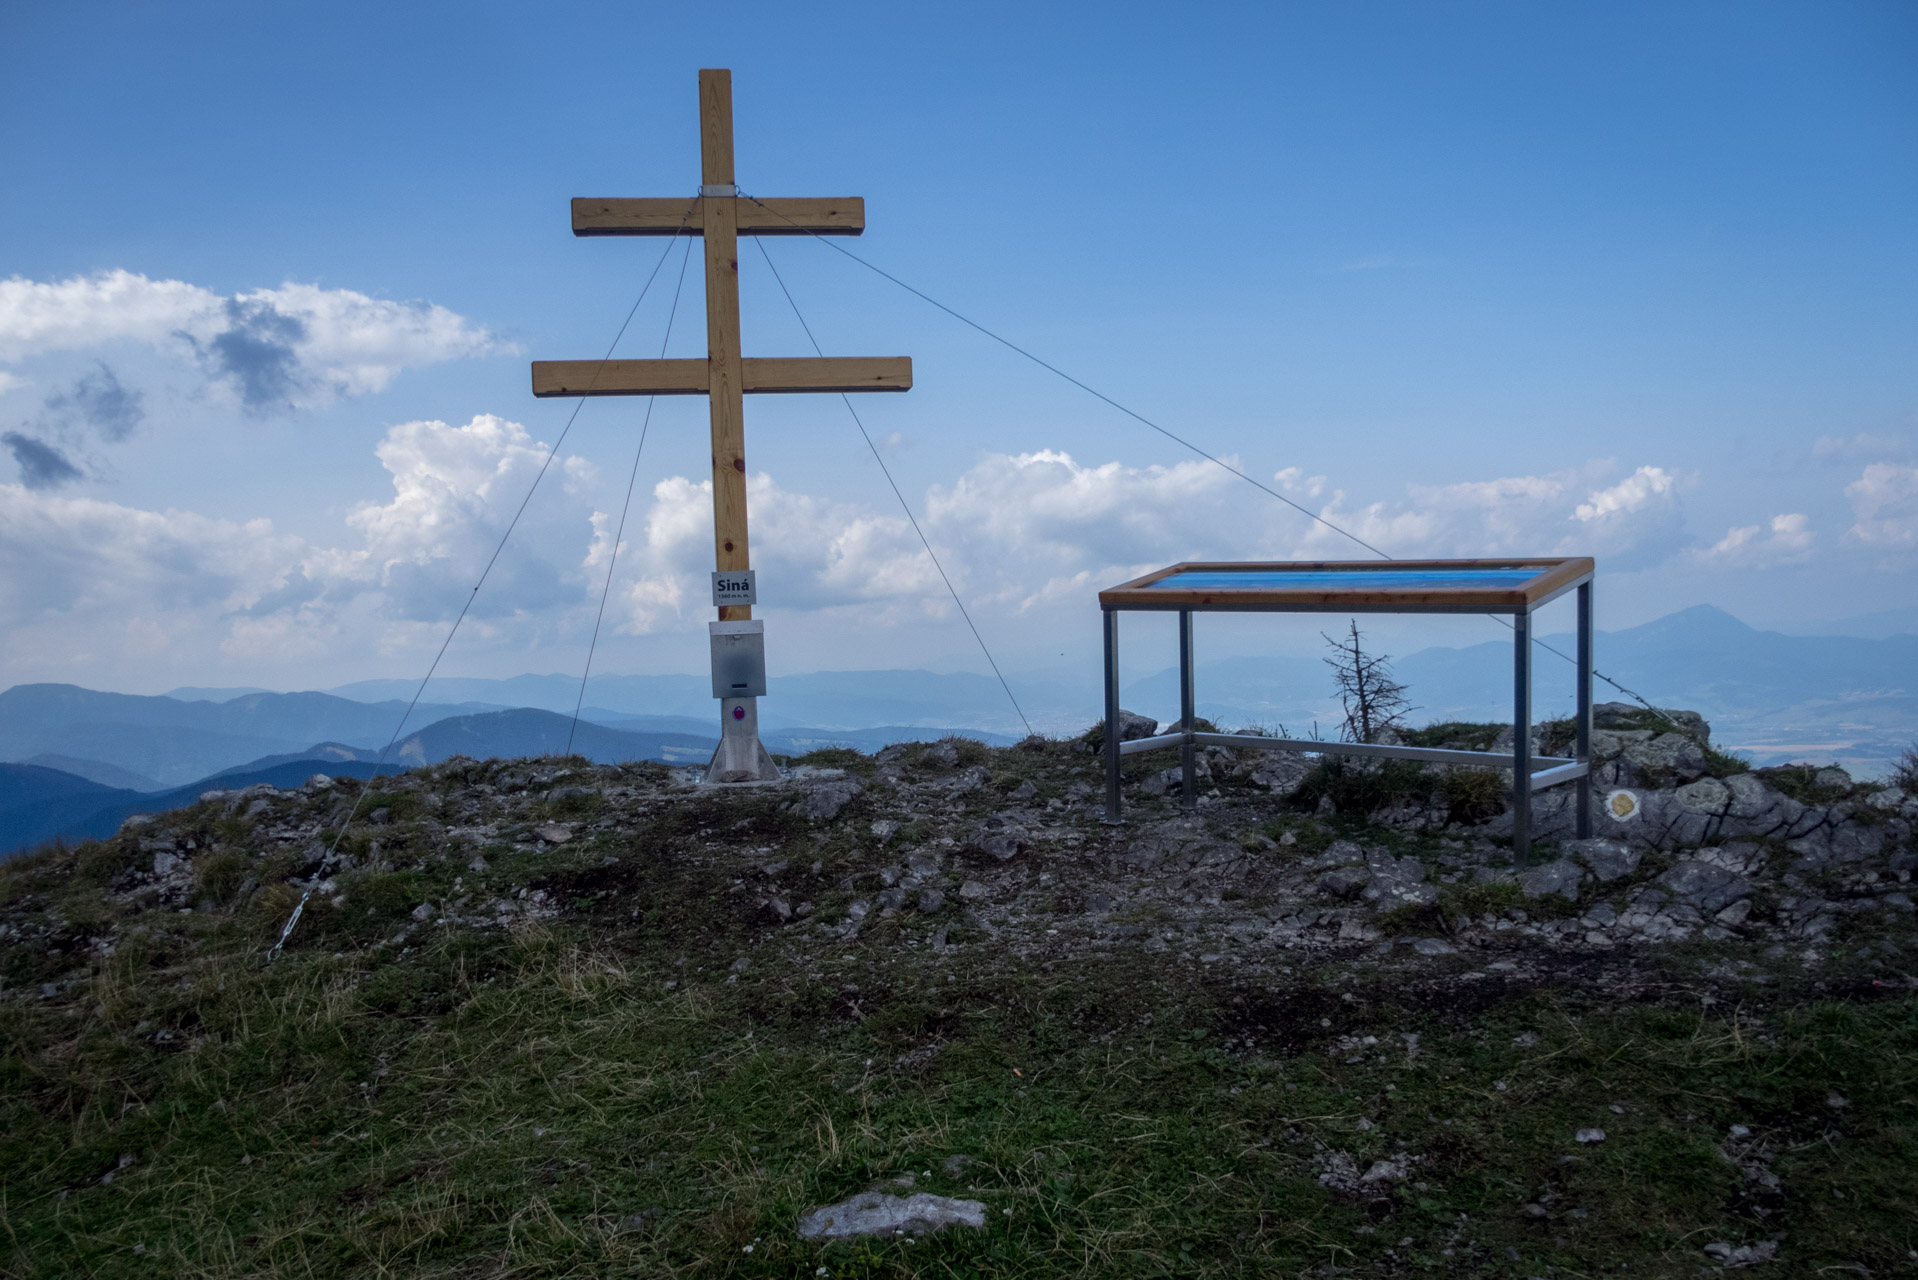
1112	814
1583	750
1522	738
1188	751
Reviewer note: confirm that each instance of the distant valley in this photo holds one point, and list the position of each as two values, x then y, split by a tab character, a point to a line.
152	753
78	757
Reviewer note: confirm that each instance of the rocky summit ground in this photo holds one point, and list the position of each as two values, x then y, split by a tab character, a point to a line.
540	1017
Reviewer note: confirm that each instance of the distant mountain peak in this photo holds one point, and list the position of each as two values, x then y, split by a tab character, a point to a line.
200	693
1700	620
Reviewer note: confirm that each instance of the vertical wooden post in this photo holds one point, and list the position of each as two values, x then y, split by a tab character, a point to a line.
740	756
726	388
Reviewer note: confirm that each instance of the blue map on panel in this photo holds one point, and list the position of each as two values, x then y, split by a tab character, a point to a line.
1342	579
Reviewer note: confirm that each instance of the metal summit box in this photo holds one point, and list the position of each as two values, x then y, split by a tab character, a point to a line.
739	658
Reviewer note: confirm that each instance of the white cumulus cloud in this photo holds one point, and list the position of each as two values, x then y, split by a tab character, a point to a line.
810	553
82	580
80	576
292	347
1786	540
455	489
1633	520
1644	489
1030	535
1863	446
1884	503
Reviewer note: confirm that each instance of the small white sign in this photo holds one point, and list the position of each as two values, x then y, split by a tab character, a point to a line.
734	587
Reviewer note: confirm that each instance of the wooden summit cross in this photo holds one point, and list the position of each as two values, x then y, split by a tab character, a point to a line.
723	377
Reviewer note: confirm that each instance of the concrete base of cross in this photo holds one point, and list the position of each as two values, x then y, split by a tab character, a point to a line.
741	757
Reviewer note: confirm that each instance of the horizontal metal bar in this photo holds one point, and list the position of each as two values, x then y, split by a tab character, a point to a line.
1150	744
1546	770
1378	750
1560	773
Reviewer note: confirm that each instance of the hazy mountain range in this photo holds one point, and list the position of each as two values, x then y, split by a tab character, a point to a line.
1770	695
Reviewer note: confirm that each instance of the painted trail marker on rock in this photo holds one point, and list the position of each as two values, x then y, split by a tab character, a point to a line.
719	215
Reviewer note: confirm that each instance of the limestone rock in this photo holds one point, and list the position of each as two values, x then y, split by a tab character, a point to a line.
1609	744
1397	882
1561	877
1279	772
1739	856
1734	915
823	803
943	754
1383	1171
874	1213
1742	1255
1339	853
1757	807
1607	860
999	839
1667	756
1706	887
1835	845
1344	882
1651	915
1626	715
1508	738
1708	796
1172	780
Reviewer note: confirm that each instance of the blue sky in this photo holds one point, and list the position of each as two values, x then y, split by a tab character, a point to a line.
1630	280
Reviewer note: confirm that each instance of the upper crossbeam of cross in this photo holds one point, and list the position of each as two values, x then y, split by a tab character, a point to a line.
721	217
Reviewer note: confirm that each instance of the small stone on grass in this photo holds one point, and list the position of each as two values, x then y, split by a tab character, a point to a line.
874	1213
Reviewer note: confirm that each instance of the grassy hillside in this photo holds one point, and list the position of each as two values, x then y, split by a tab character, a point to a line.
644	1050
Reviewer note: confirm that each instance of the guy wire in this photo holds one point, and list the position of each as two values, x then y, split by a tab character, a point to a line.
903	504
299	908
1168	434
613	557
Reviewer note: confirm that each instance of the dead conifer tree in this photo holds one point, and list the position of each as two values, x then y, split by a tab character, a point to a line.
1373	700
